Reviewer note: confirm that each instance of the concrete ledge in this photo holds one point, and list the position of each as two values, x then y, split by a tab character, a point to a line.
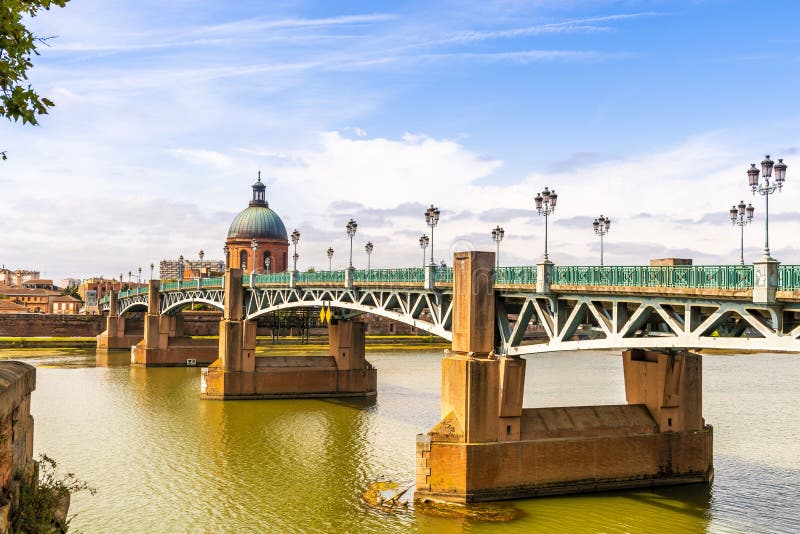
549	490
17	381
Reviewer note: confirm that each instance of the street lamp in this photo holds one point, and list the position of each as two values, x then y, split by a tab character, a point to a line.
424	240
180	267
432	219
295	239
497	235
741	216
330	258
152	266
352	226
766	189
201	262
601	226
129	279
139	279
369	246
545	205
253	247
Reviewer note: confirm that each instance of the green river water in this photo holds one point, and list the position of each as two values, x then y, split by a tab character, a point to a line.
164	461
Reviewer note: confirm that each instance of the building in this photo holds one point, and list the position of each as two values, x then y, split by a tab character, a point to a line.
170	269
260	226
65	305
34	300
8	306
40	283
67	283
15	278
92	290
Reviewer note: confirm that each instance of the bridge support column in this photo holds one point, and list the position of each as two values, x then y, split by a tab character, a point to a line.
114	336
487	447
238	374
164	343
765	280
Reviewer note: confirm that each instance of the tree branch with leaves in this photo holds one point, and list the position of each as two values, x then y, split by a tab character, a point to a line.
18	100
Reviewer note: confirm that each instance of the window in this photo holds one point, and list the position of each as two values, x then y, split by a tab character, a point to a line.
267	262
243	259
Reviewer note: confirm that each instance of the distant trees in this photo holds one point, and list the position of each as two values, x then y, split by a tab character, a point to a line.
19	101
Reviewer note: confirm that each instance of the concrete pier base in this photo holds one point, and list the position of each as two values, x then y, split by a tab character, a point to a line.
164	343
115	336
487	447
238	374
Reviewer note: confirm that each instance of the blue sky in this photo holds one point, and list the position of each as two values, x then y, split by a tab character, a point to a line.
646	111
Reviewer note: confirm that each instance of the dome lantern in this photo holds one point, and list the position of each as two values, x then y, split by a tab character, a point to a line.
259	193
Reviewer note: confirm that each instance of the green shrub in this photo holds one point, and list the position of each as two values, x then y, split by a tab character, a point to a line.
42	507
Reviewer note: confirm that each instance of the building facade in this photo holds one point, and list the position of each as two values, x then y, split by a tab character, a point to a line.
171	269
260	227
14	278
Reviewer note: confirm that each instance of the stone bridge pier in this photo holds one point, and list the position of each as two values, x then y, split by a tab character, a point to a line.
164	343
488	447
238	374
115	336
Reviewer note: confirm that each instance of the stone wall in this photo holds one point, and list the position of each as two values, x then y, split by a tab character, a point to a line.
48	324
17	381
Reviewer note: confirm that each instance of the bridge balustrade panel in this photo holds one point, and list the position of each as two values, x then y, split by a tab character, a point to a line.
789	277
679	276
515	275
410	275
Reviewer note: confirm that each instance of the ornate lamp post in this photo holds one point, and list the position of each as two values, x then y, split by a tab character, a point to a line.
180	267
139	279
601	226
352	226
369	247
330	258
253	247
225	251
152	266
424	240
545	205
766	189
129	279
201	262
295	239
497	235
432	219
741	216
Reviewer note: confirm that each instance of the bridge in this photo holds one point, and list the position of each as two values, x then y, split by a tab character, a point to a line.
566	308
486	445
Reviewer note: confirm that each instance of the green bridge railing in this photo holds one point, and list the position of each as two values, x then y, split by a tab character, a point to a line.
789	277
415	275
683	276
679	276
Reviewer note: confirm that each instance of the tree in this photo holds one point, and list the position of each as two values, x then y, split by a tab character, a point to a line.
72	291
18	100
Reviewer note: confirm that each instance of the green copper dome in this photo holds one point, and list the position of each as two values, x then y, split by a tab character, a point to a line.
258	220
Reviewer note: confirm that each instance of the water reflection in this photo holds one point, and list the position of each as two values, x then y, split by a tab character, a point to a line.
164	461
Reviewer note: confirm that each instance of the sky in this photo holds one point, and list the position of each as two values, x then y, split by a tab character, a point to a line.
648	112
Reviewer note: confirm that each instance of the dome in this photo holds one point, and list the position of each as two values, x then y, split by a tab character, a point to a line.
258	222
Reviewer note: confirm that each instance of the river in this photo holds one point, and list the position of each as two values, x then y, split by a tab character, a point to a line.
164	461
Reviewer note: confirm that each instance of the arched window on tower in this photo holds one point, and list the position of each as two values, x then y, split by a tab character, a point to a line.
268	262
243	259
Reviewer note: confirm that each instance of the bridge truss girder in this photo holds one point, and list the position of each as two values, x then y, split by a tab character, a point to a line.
581	321
564	321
